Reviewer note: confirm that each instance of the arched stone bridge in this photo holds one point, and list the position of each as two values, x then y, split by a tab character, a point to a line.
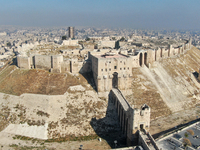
134	123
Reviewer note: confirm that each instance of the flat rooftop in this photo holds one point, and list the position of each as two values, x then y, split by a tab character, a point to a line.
175	140
110	56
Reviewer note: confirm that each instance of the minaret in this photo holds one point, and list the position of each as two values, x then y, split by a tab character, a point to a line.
71	32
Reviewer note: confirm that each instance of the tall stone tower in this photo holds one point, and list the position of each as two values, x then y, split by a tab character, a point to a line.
141	120
137	119
71	32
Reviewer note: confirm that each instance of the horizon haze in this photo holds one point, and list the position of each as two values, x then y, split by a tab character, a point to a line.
141	14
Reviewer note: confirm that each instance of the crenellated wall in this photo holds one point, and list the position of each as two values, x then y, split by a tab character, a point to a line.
147	57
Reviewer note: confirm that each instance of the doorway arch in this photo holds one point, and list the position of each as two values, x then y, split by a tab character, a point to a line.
115	80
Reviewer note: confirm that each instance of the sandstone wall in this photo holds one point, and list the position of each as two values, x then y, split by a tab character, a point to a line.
56	61
110	44
70	42
23	62
43	62
141	117
65	66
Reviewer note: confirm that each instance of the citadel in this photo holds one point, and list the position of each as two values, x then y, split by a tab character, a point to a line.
110	67
111	61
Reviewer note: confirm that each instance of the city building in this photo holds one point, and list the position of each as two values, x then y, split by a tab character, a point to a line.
71	32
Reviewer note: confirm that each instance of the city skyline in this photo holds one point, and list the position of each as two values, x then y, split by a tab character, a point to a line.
180	14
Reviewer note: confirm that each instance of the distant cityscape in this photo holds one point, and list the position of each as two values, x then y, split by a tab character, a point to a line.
13	39
110	60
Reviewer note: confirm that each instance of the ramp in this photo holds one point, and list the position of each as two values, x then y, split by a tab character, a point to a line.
170	92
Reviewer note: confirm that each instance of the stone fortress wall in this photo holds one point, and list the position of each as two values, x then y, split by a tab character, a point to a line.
23	62
50	63
54	63
107	70
112	71
42	62
147	57
115	69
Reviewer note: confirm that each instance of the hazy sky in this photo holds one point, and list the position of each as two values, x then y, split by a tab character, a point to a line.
153	14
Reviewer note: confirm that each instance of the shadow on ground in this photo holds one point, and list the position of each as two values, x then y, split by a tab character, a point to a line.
14	61
196	75
108	128
89	77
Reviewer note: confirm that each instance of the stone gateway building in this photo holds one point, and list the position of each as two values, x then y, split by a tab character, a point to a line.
111	70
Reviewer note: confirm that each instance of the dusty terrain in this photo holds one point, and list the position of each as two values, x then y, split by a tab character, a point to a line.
168	88
12	142
15	81
69	113
75	116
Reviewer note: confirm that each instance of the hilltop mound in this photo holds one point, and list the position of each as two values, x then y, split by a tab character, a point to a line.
168	87
15	81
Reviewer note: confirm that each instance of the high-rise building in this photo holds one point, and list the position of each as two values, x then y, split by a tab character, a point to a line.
71	32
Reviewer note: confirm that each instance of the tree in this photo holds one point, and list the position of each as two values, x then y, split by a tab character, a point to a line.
64	37
186	134
87	38
113	38
186	142
190	132
122	39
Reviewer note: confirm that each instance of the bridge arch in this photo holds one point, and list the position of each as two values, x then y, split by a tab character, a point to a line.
145	58
140	59
126	128
124	124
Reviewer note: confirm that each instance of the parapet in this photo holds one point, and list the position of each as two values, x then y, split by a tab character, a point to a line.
143	110
145	107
